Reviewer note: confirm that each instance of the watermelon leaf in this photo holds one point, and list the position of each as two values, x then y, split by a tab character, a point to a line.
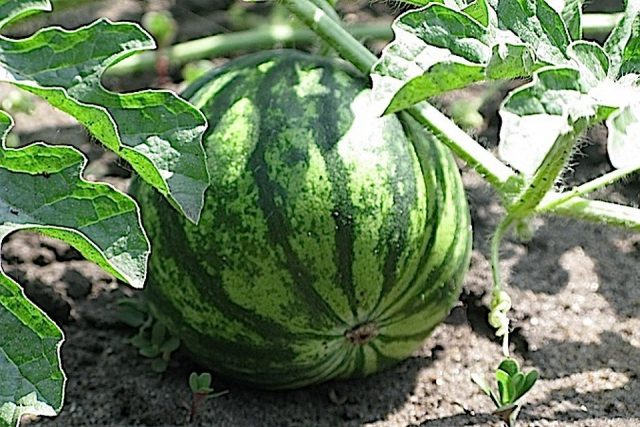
43	191
623	43
440	48
624	128
157	132
566	99
571	12
32	379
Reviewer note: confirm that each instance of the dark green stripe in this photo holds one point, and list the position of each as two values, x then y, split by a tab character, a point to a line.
404	205
383	361
358	369
288	359
328	138
430	162
449	288
346	367
278	110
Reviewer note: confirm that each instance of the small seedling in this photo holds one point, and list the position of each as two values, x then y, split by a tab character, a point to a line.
133	312
157	345
512	385
200	385
152	340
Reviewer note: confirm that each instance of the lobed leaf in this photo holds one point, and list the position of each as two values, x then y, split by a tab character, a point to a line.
31	379
441	47
12	10
157	132
567	99
42	191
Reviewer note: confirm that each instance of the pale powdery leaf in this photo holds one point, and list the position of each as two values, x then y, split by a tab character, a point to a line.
525	140
558	5
435	36
571	12
536	115
562	99
591	60
624	137
572	15
616	93
538	25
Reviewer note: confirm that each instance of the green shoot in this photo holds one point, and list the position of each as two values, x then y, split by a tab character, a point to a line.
512	385
196	69
200	385
153	341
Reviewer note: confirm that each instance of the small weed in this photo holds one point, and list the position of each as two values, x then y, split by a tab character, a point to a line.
200	385
152	340
512	385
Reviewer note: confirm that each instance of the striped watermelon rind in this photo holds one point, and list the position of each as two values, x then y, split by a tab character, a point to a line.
331	242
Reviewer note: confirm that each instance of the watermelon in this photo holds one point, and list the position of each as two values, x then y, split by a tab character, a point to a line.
331	242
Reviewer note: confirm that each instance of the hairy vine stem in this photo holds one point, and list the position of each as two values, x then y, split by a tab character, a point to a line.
551	203
500	301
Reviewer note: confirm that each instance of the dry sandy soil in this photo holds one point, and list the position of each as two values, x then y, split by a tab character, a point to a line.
575	288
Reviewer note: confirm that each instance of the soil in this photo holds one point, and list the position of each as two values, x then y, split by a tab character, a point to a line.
576	317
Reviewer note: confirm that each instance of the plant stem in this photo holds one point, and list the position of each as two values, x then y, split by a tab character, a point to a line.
550	202
499	307
332	32
546	175
465	147
328	8
225	44
599	212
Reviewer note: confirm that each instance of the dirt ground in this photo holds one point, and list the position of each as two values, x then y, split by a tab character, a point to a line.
575	288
